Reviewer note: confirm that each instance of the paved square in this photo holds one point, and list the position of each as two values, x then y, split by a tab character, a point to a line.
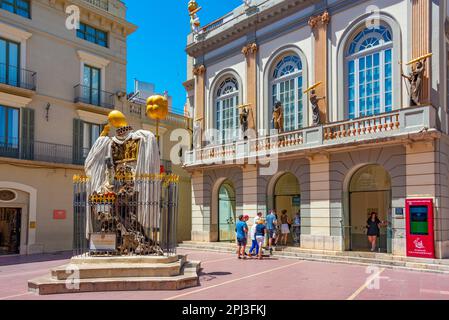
225	278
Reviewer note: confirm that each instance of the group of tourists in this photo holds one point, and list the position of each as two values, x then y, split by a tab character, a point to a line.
273	228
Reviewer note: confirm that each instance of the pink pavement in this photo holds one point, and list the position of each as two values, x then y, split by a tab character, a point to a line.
225	278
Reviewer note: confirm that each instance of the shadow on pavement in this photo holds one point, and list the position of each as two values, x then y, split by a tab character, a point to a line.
14	260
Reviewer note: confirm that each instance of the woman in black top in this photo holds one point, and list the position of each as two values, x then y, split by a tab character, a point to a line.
373	225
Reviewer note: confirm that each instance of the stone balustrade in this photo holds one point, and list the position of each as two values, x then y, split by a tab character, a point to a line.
387	125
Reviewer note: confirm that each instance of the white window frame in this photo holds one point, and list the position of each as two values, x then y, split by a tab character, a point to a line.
219	100
277	81
381	49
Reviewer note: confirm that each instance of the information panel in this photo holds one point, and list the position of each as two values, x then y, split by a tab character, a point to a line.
420	233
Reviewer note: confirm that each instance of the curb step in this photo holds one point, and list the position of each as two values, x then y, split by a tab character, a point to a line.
387	261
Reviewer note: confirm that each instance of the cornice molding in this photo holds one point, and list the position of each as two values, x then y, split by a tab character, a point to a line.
93	59
13	33
261	19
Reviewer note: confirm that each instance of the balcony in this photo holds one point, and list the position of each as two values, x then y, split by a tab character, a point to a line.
17	81
40	151
90	97
364	130
115	7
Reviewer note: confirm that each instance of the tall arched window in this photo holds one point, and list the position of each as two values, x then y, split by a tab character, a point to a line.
287	87
369	73
227	113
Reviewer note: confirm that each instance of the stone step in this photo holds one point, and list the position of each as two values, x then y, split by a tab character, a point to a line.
117	270
125	259
361	258
187	279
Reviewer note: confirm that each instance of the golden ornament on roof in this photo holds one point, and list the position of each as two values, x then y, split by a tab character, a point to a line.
193	7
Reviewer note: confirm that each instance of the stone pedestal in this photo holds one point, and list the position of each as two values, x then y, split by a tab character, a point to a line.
102	274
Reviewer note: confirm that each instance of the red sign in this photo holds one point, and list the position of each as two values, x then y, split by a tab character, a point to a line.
59	215
162	169
420	232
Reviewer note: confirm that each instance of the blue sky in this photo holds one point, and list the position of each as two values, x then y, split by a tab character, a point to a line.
156	51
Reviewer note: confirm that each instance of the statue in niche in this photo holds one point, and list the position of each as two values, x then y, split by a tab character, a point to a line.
244	115
416	83
278	117
314	100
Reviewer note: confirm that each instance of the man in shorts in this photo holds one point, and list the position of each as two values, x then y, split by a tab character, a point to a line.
242	236
271	229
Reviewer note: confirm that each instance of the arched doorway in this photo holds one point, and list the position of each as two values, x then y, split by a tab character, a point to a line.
287	196
226	213
369	191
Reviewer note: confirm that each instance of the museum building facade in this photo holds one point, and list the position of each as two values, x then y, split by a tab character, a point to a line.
372	140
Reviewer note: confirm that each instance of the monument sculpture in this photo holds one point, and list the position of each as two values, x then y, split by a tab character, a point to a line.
125	217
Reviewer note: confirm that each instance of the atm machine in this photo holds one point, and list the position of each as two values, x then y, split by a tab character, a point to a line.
420	228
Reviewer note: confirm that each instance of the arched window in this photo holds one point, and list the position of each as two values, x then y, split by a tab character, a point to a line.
287	87
227	113
369	72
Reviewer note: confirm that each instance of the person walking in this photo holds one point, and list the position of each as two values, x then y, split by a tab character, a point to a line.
285	227
252	235
271	229
373	225
242	236
261	231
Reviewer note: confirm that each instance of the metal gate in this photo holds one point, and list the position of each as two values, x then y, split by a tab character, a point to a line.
115	227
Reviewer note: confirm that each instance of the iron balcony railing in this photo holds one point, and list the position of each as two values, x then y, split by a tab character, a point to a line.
24	149
16	77
93	96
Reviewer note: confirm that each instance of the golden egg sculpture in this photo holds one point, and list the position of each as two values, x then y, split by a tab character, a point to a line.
117	119
192	6
157	107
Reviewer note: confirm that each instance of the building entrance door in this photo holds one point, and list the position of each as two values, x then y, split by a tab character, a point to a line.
10	224
226	213
370	191
287	196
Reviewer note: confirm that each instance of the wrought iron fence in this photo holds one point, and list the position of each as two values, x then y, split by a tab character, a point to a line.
93	96
108	224
16	77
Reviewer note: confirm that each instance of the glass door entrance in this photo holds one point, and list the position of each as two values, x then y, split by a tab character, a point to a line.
226	213
369	192
10	222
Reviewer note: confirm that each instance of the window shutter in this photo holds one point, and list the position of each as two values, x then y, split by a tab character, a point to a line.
77	142
28	133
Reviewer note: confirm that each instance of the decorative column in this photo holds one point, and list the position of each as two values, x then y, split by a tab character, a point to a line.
421	40
200	84
319	28
250	52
